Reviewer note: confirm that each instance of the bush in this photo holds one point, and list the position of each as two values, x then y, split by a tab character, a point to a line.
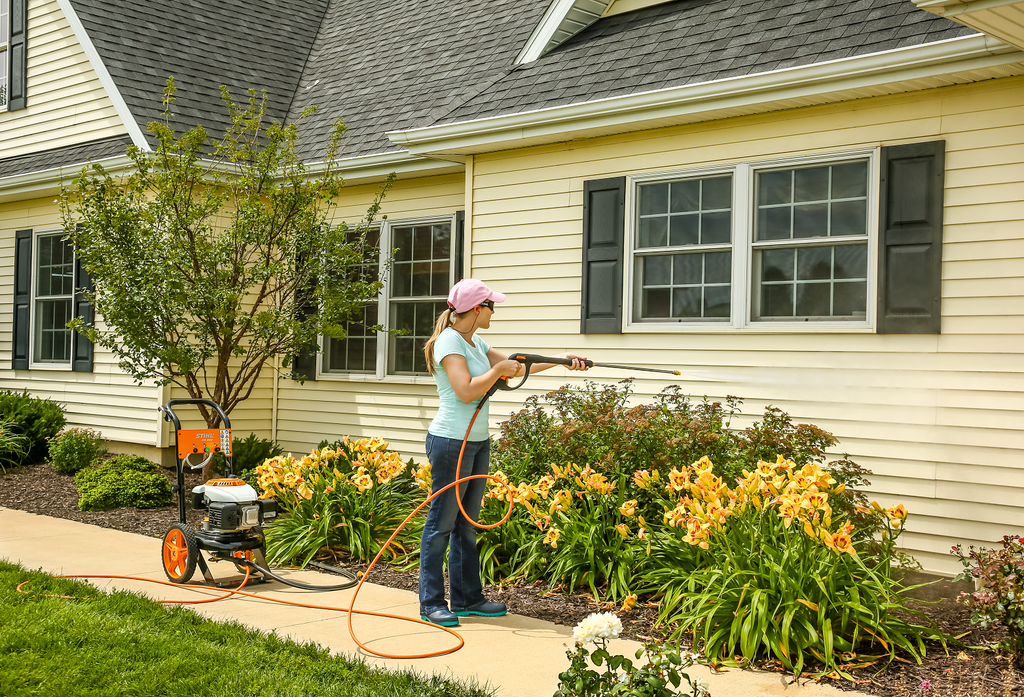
346	500
123	481
247	454
999	575
75	449
13	446
37	419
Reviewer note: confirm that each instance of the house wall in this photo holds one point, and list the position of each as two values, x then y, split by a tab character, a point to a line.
65	102
398	409
105	399
939	419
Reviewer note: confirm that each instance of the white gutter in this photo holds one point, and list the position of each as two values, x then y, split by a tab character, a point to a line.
680	104
45	181
120	106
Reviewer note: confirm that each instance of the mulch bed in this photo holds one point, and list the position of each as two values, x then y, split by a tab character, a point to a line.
960	672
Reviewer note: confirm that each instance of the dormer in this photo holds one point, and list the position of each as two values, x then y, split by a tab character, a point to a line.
566	18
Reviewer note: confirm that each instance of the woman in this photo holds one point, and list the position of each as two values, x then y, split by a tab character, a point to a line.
464	368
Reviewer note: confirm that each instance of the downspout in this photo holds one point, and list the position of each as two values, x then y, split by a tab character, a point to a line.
273	406
467	256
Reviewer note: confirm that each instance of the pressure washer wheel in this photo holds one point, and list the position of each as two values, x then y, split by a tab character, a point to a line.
180	553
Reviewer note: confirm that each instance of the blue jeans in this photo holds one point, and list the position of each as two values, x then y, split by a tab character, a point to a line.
447	529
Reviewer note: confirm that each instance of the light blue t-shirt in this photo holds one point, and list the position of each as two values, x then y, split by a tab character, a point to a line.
453	414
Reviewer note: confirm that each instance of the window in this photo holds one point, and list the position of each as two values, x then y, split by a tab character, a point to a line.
53	289
753	244
415	293
5	39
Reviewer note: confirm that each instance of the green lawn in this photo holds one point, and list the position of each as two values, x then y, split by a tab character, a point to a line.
123	644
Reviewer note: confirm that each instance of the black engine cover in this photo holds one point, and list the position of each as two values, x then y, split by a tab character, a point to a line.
224	515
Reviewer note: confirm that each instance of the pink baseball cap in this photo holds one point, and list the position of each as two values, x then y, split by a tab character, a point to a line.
469	292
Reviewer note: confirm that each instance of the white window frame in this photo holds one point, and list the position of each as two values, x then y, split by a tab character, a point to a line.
33	303
5	64
384	309
744	212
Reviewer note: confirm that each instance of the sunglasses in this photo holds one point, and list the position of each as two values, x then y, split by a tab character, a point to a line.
489	304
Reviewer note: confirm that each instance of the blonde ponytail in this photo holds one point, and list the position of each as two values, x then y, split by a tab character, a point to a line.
443	322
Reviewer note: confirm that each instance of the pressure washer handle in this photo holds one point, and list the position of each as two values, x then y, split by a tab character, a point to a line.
530	358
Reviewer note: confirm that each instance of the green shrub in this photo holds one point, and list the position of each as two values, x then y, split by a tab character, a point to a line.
123	481
75	449
999	599
38	419
13	446
247	454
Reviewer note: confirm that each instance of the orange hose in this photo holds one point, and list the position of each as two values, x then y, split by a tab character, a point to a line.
350	609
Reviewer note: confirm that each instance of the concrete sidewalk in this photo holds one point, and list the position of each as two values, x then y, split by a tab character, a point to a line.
518	656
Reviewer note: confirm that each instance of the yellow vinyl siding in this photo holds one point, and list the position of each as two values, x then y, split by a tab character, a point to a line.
105	399
66	104
398	409
939	419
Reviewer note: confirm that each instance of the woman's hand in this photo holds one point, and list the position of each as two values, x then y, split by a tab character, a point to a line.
578	362
508	368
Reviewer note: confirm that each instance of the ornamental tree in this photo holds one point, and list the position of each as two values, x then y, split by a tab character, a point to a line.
210	256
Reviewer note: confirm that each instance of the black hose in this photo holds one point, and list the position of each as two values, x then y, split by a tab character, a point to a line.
351	583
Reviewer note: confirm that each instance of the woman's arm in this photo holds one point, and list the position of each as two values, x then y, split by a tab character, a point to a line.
468	388
495	357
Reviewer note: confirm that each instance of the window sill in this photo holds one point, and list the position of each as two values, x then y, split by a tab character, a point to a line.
389	379
754	328
60	367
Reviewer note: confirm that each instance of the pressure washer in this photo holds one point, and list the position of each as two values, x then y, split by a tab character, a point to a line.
232	528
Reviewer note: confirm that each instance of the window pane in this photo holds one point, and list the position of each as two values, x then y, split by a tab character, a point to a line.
401	240
686	302
851	261
716	301
814	263
656	302
775	187
442	241
777	265
850	299
686	196
812	299
653	232
421	276
716	193
850	181
687	269
653	199
718	267
401	283
810	220
53	338
657	271
416	319
439	275
421	243
55	267
716	228
357	352
849	218
774	223
810	184
777	300
685	229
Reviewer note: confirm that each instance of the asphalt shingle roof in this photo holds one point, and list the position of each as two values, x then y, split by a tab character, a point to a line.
66	156
694	41
385	65
259	44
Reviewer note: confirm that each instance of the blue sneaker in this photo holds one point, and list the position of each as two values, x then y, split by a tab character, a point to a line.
441	617
484	608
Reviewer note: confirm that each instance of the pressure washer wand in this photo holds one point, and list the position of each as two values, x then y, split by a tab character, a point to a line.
531	358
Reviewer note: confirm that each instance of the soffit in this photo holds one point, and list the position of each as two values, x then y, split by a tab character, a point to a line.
1002	19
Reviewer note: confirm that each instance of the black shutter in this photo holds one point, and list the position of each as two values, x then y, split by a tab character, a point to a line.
81	347
18	56
459	241
22	298
304	365
603	241
910	243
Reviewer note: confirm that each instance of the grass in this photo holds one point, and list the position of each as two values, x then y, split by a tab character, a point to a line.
101	644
